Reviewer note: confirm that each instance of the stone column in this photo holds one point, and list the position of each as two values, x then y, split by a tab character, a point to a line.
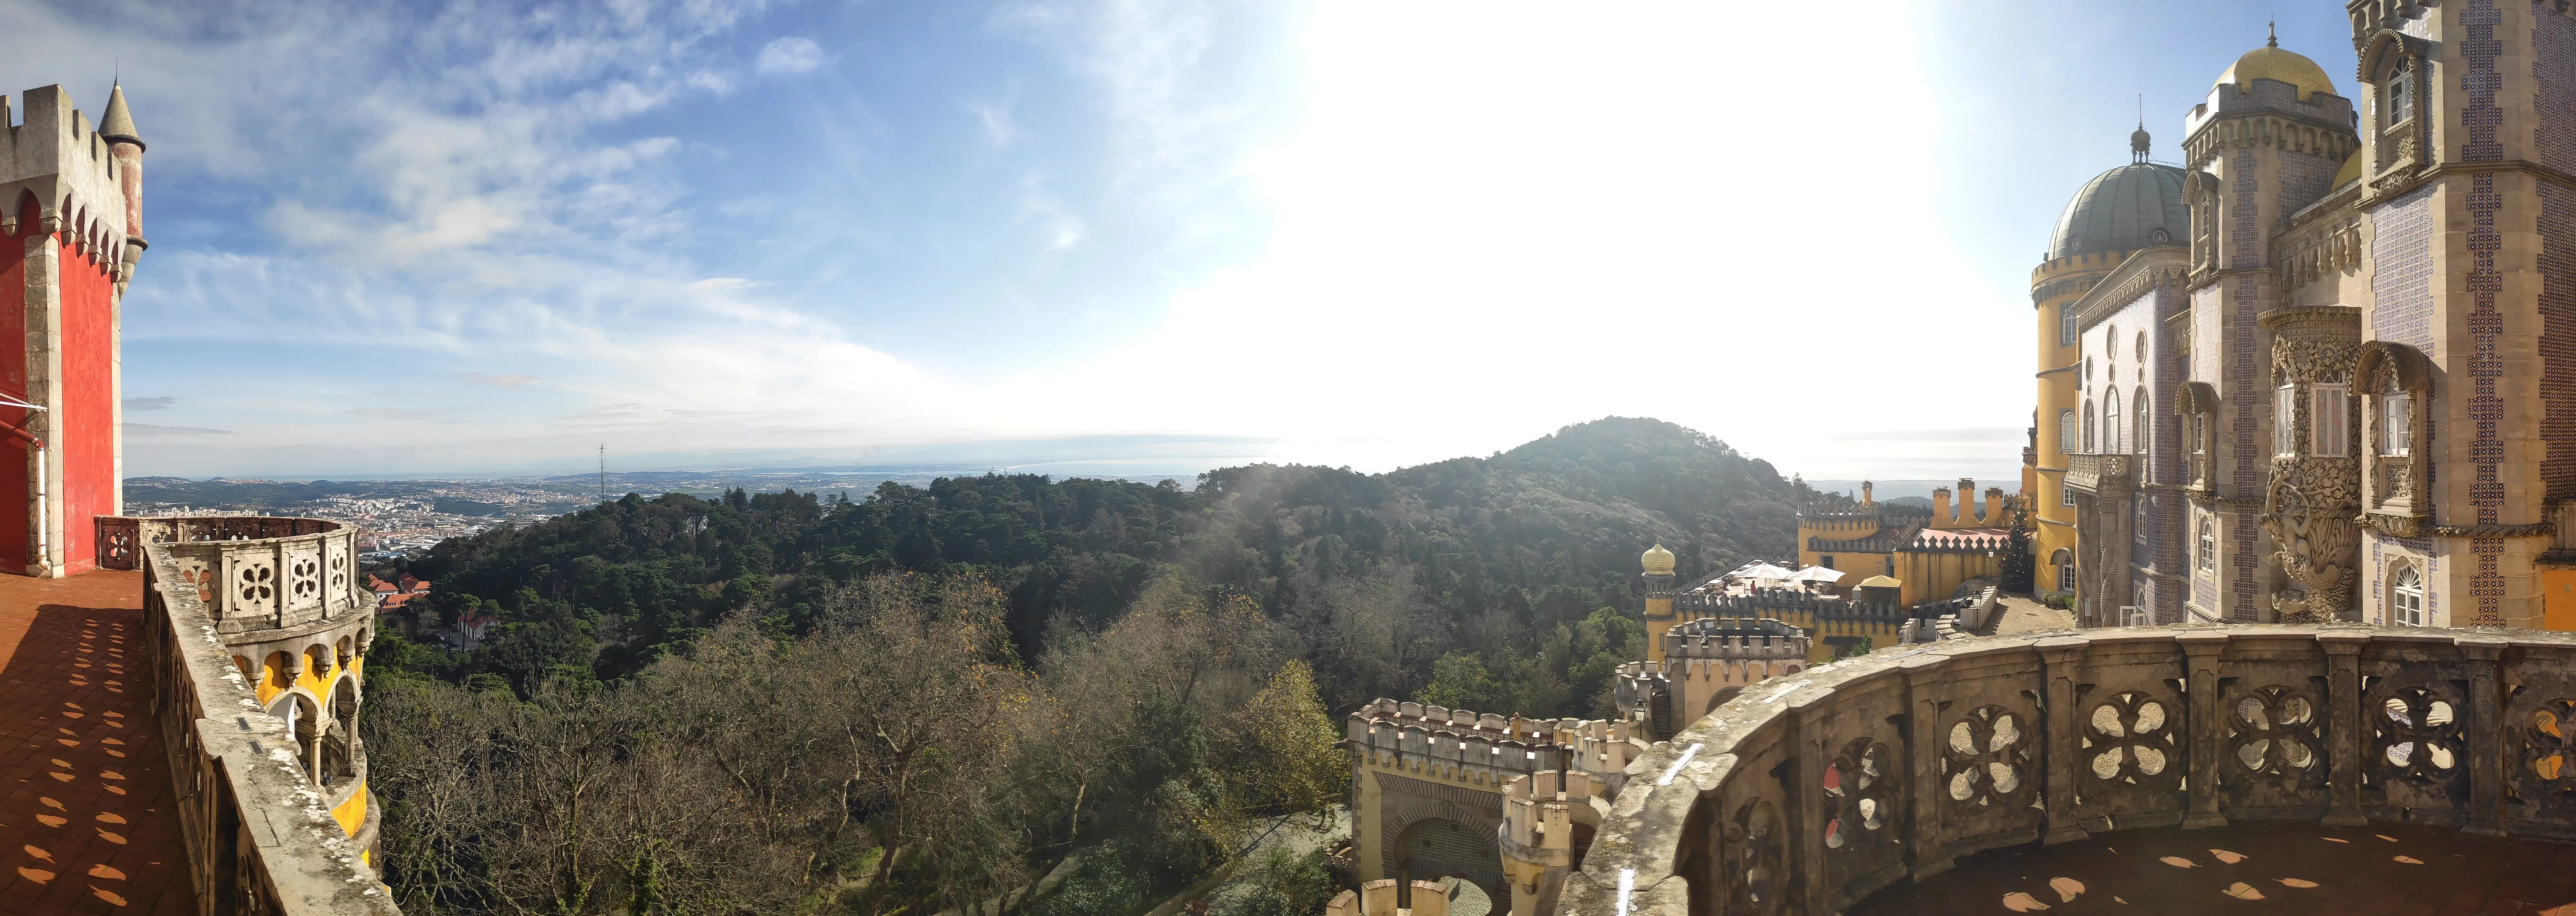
2345	742
2061	657
2482	726
43	350
1809	807
2202	652
1928	841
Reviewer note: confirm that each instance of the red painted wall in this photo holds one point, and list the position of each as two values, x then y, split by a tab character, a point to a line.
88	427
14	510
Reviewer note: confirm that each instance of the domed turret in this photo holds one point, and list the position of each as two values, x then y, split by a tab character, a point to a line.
1658	561
2127	208
2270	62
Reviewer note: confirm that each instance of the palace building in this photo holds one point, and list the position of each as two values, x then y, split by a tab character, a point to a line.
2325	367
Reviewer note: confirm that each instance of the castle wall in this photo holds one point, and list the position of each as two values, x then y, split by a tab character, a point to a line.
14	460
87	429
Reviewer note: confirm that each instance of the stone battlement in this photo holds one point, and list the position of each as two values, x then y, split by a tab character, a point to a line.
59	164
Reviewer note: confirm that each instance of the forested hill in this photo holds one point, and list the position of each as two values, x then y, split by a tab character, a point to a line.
1472	566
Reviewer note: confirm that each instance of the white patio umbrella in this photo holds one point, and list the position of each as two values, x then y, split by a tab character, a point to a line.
1819	574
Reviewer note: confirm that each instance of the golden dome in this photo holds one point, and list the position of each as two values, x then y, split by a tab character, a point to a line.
2351	171
1659	562
2270	62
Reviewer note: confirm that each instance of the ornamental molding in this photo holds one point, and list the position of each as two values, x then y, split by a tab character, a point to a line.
2161	267
2533	530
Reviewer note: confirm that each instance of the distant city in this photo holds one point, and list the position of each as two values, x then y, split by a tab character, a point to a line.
407	516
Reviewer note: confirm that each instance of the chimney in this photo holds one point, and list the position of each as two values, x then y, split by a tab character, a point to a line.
1940	505
1967	501
1994	506
1864	494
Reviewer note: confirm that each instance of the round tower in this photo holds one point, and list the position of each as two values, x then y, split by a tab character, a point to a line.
2120	211
1658	563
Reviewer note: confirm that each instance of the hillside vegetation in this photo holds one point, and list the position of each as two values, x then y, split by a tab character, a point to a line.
1380	574
931	697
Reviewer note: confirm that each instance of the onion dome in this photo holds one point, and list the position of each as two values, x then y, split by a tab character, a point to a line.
2135	206
2270	62
1658	561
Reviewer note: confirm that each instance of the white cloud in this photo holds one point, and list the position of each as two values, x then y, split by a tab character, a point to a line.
789	55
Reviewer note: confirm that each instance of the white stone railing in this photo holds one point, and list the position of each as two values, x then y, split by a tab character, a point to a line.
258	835
249	572
1809	793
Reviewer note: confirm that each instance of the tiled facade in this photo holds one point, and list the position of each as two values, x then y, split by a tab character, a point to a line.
2431	210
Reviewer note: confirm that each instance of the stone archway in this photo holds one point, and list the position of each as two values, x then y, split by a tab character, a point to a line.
1437	847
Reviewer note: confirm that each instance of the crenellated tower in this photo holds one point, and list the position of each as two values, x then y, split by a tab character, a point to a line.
71	211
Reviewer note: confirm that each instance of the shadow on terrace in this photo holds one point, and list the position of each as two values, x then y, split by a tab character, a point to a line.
2255	768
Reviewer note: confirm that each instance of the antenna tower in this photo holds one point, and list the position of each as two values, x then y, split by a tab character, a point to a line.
603	472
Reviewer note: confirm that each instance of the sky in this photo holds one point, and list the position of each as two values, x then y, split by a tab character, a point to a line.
1127	236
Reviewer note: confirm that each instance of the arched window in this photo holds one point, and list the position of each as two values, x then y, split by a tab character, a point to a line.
2064	562
2088	426
2408	597
2138	418
2207	542
2066	431
2111	422
2399	95
2142	356
2066	325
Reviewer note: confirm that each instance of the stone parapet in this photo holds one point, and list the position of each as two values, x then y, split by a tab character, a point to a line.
250	573
2096	474
1850	777
259	836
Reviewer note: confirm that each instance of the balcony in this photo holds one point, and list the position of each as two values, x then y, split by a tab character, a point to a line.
260	835
1873	785
2093	475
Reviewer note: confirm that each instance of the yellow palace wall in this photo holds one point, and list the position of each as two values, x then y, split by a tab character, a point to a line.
2056	285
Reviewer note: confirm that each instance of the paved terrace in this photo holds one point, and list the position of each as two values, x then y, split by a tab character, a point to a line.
2328	769
2267	868
88	824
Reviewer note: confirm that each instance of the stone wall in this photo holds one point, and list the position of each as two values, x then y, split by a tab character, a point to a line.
259	836
1856	775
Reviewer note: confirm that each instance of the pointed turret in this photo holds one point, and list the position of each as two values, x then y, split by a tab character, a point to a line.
125	145
117	125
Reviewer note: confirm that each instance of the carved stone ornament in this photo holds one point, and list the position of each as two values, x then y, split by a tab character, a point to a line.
2311	508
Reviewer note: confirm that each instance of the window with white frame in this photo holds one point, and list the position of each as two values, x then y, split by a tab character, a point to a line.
2285	420
2399	96
2064	561
2065	496
2066	430
2327	418
2408	597
2138	427
2111	422
2207	542
2396	427
2066	325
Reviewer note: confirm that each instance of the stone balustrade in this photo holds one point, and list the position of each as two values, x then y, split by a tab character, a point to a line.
261	836
1808	793
2096	474
249	572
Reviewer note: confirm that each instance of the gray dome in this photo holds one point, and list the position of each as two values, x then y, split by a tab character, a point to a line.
2121	210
